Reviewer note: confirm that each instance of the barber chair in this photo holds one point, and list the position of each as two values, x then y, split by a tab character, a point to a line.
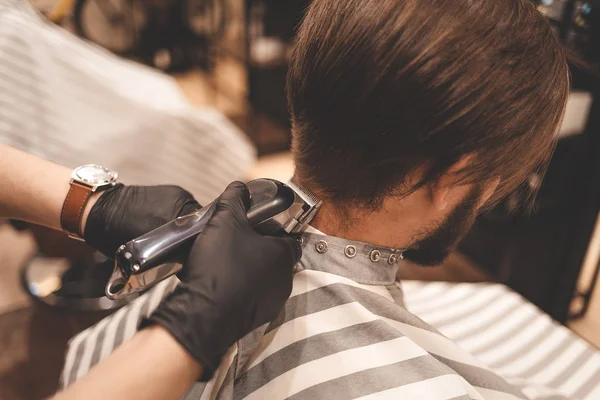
67	274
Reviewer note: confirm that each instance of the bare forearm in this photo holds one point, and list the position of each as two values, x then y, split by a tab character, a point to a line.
150	366
32	189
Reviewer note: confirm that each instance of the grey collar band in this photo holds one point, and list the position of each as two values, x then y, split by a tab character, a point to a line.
358	261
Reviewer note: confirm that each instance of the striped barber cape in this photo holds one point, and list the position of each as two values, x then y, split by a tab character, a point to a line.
344	333
510	335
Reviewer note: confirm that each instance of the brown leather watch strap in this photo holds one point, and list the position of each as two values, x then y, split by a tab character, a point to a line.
72	211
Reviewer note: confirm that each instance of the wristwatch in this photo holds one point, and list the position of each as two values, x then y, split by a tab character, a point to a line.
85	180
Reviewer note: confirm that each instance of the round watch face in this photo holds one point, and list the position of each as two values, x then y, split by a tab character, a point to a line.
95	175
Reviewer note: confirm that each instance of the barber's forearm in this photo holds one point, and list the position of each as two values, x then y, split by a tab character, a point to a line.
152	365
33	189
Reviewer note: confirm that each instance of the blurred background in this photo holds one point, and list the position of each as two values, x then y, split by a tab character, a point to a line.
228	59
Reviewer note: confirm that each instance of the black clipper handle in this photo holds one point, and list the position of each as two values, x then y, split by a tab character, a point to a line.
171	242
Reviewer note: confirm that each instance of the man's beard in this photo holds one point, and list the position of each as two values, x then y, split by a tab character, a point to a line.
439	242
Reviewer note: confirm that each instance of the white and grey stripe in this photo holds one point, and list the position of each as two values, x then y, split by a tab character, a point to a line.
101	342
518	341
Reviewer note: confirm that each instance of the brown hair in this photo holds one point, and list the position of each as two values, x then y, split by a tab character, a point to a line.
379	88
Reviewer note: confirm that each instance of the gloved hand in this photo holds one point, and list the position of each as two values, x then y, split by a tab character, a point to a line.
235	280
123	213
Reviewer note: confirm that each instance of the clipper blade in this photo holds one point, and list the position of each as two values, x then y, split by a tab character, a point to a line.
304	193
312	204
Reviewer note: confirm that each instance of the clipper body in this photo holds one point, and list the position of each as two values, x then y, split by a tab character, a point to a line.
141	263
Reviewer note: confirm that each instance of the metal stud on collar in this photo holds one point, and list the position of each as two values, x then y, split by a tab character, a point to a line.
350	251
321	246
375	256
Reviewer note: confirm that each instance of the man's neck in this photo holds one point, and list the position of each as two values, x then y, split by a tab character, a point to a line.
398	224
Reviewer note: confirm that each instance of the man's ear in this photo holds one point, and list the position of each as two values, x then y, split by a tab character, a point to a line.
446	192
439	197
488	190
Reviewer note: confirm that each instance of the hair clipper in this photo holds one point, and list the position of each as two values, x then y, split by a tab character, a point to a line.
274	207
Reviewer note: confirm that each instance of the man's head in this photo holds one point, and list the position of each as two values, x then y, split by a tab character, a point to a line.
399	105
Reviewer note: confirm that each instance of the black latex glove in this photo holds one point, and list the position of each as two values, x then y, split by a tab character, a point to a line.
235	280
124	213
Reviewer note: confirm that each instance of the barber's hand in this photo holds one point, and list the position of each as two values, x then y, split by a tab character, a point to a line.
123	213
235	280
